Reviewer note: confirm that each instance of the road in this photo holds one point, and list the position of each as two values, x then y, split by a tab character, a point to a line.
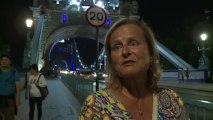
59	105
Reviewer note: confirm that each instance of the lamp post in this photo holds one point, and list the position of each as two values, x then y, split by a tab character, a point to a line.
29	22
105	62
203	60
27	50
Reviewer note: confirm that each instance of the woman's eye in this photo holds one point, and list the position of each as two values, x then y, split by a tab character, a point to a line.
116	47
134	43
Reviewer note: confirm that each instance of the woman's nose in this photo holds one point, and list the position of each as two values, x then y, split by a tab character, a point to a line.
125	51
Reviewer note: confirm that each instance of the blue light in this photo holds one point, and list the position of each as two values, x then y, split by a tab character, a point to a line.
64	18
108	22
61	49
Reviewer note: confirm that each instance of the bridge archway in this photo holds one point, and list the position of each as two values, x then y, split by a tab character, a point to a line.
73	31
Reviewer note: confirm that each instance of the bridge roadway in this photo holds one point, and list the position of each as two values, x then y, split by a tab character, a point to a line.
62	105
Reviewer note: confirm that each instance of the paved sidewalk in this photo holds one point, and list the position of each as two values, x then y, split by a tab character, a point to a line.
62	105
59	105
188	85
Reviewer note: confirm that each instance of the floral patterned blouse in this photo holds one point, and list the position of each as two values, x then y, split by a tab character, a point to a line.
103	105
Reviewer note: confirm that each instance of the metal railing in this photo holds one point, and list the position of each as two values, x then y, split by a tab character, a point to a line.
198	109
81	88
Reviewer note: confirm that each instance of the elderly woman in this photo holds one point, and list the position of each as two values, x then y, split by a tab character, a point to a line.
133	69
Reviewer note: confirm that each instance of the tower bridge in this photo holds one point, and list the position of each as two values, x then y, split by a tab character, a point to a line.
55	20
51	27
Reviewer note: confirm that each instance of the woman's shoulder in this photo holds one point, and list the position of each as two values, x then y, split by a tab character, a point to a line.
167	95
170	104
40	74
94	95
102	96
93	104
103	93
168	91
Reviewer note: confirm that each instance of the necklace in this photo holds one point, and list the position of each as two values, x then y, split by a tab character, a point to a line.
127	94
140	112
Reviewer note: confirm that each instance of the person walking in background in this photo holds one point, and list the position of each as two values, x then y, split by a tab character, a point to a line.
187	72
182	74
9	88
35	79
133	72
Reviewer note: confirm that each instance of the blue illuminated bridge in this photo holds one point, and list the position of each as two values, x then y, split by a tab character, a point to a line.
55	22
63	38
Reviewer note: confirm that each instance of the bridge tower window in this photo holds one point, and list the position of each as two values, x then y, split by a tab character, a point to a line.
64	18
108	22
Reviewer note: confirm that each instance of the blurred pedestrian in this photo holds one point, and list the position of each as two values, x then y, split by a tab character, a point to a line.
35	79
182	74
9	88
187	72
133	72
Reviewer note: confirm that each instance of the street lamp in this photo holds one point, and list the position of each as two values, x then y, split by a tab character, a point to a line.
29	22
203	61
27	50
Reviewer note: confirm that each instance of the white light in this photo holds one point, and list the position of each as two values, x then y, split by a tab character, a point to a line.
29	22
94	83
105	75
74	2
85	8
203	36
40	66
61	41
64	71
204	101
99	3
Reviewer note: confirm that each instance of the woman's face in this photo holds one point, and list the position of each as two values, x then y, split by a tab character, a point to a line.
129	51
33	72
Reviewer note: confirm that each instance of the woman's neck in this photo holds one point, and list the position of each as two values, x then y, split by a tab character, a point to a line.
136	87
35	74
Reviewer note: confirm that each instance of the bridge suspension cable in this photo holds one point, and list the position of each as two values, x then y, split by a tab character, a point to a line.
82	64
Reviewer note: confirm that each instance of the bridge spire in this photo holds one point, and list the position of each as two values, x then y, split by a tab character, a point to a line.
207	14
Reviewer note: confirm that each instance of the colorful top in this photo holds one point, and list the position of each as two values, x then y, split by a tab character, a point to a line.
103	105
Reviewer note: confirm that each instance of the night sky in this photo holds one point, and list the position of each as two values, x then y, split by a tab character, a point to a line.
164	15
13	28
161	15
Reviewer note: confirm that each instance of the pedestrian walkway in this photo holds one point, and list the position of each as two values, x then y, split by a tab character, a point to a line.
190	90
62	105
59	105
188	85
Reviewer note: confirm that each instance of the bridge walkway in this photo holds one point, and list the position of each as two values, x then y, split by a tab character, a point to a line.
62	104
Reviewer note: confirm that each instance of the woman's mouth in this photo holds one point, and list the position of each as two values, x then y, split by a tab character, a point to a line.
128	62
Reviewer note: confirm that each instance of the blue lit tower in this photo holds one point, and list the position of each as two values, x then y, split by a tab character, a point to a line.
203	60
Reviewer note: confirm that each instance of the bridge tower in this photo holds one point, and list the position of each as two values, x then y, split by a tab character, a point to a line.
57	19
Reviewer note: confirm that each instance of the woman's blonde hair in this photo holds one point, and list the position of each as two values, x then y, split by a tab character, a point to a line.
154	71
